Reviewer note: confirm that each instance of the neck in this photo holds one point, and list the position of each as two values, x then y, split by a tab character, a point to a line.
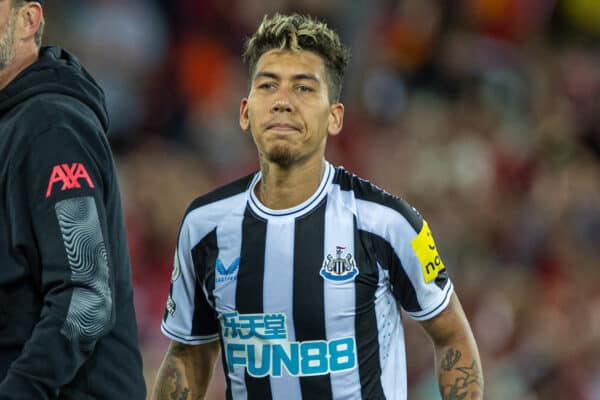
281	188
14	68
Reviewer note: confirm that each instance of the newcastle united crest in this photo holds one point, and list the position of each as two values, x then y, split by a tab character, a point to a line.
339	268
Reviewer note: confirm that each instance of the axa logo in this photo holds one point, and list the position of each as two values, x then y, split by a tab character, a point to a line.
339	268
69	176
227	273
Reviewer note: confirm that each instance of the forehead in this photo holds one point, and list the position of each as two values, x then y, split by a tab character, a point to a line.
284	62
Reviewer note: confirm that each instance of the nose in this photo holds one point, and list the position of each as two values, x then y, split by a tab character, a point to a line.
281	106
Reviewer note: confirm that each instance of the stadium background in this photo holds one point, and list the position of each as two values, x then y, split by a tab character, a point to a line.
484	114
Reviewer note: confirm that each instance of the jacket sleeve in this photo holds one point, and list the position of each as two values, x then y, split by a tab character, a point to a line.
63	176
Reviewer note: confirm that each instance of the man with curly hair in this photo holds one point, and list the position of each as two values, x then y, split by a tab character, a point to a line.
296	273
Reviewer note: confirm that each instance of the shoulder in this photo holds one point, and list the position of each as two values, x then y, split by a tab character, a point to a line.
222	198
52	109
208	211
370	196
57	120
50	128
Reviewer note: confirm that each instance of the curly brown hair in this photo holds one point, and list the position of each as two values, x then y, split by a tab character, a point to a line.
297	32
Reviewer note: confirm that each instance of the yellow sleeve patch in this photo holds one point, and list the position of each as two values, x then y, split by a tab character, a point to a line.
427	253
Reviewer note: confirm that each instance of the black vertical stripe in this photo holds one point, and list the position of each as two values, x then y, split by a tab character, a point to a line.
249	292
204	256
309	304
402	288
367	341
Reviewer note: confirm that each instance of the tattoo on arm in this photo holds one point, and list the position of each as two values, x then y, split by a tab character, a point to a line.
469	378
172	389
450	359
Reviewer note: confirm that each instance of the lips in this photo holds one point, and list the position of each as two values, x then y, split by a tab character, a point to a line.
282	127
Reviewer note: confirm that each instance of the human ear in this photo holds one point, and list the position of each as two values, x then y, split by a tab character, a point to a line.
336	119
244	119
29	19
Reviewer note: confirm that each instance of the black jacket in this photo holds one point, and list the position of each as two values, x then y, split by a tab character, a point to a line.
67	323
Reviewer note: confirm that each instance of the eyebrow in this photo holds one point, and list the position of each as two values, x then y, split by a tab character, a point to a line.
296	77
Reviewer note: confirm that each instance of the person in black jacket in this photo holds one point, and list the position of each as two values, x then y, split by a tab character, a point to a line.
67	322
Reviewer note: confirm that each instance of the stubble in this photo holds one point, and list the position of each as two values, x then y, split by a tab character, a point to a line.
7	42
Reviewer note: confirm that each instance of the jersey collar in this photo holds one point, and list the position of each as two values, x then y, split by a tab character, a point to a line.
301	209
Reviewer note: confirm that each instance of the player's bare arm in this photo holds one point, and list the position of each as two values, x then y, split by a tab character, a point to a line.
457	358
186	371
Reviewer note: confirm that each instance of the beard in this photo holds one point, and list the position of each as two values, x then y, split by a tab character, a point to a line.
7	42
281	155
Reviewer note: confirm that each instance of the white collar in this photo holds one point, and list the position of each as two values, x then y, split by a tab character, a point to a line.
296	211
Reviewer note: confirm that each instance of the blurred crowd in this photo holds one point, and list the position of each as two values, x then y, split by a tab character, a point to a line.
483	114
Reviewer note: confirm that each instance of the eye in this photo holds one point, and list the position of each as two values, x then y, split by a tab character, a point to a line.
304	88
266	85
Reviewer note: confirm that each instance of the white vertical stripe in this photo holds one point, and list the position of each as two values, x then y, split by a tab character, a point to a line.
238	383
278	294
229	240
228	218
392	351
340	297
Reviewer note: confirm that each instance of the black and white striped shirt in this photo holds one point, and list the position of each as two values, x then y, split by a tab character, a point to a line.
304	300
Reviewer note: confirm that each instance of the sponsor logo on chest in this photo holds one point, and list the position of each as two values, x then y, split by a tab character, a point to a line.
260	344
226	274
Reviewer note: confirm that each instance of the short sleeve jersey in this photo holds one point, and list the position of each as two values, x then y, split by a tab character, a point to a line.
305	300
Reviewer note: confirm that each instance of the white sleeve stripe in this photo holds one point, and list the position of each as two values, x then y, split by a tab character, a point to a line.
188	339
431	312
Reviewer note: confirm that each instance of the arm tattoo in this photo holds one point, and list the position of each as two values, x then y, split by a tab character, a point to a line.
469	380
173	382
450	359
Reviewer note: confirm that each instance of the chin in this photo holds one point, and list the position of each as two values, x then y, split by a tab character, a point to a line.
282	156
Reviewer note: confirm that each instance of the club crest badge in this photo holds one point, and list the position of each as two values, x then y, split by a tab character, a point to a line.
339	268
